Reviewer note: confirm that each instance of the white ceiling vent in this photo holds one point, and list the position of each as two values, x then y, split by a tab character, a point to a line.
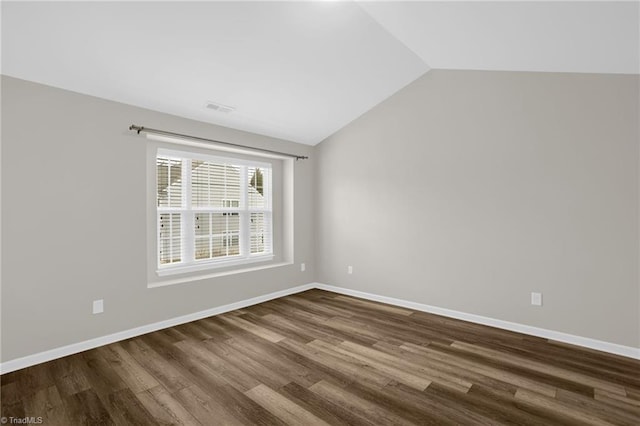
219	107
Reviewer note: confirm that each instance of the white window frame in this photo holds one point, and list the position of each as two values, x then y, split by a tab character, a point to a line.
188	262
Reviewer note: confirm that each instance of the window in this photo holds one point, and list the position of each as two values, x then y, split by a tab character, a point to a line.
212	211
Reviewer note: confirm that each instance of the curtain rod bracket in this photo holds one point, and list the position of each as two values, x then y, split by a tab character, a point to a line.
138	129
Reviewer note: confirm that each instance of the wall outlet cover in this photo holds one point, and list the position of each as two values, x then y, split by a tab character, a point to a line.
536	299
98	306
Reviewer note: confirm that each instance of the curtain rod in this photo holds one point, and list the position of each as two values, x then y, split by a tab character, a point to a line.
149	130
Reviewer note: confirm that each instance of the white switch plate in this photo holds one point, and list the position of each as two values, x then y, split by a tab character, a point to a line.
350	270
303	267
536	299
98	306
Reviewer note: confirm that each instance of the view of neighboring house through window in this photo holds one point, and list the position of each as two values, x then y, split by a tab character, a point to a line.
212	211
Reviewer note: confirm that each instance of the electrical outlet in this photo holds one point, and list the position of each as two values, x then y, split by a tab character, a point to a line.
350	270
303	267
536	299
98	306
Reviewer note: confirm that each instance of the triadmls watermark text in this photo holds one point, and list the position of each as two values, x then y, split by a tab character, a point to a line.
21	420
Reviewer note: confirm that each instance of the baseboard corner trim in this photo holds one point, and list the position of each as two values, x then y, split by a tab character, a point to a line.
600	345
49	355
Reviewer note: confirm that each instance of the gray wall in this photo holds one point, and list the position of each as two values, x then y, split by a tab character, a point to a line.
468	190
69	163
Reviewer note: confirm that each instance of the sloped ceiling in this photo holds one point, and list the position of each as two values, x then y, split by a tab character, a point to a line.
299	70
553	36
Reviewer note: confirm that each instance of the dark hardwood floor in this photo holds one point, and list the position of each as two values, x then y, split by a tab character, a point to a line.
323	358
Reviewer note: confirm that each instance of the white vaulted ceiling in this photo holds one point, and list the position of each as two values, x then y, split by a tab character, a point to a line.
550	36
299	70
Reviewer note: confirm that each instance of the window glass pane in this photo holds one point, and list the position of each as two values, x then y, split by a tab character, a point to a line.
170	250
169	182
203	248
225	223
162	170
216	235
233	192
199	184
258	230
202	222
233	244
218	244
219	223
256	180
215	185
233	222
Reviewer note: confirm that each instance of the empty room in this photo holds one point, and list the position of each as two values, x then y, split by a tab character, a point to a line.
320	212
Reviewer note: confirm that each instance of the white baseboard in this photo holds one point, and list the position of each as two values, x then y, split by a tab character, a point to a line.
29	360
586	342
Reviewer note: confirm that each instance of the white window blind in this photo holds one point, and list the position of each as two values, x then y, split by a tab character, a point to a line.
212	211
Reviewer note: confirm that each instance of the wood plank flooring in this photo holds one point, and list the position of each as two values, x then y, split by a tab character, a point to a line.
319	358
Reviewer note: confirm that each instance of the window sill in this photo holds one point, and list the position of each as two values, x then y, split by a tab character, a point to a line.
212	266
204	276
